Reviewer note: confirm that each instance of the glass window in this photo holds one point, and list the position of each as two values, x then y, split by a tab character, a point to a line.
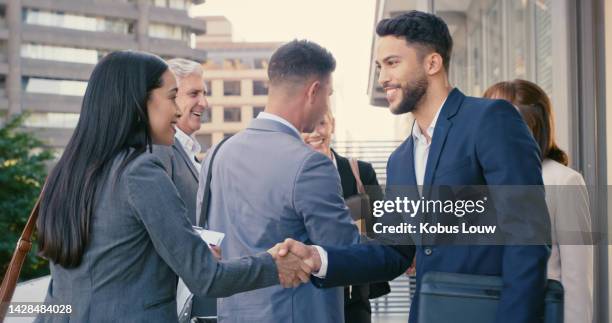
205	141
72	21
543	45
168	32
159	3
2	85
260	88
232	115
231	88
52	120
62	54
54	86
3	50
236	64
178	4
261	63
257	110
500	40
2	20
208	85
174	4
519	45
206	116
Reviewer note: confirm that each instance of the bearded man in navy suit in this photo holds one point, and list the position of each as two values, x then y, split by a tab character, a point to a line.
455	140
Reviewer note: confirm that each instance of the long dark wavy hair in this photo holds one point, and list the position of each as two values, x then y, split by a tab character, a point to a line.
535	107
113	119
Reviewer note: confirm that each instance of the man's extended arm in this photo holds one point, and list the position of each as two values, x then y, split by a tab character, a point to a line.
352	265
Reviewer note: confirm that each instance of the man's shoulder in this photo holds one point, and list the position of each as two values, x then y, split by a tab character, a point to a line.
365	167
475	106
271	144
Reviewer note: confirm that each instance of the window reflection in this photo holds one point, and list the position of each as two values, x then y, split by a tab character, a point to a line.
232	114
52	120
260	88
165	31
62	54
231	88
257	110
73	21
173	4
498	40
54	86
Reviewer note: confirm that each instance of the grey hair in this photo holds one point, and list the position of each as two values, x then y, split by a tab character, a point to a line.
183	67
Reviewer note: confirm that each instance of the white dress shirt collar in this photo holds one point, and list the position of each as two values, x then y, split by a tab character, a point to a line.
416	130
422	146
333	158
190	145
270	116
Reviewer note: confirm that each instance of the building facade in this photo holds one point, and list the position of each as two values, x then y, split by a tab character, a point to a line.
48	49
237	80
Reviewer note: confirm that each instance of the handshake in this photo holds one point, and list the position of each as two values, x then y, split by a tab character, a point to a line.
295	262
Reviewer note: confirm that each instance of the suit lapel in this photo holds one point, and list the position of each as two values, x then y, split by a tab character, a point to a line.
411	175
437	142
443	125
185	158
347	180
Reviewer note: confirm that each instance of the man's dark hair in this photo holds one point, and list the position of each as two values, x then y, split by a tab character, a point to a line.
298	60
420	28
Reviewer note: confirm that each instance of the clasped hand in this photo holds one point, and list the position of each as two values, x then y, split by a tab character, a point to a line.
295	262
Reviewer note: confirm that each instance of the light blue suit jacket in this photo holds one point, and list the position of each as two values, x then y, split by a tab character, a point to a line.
267	185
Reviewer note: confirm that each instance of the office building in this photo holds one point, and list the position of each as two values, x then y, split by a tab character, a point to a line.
48	49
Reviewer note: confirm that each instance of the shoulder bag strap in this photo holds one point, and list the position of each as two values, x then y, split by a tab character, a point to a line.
9	282
206	198
355	169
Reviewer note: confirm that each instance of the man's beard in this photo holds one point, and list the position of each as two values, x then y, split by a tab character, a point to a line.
411	95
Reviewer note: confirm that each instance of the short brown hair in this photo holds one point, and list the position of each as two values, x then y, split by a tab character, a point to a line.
535	107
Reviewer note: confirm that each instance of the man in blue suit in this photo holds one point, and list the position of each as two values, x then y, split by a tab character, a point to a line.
455	140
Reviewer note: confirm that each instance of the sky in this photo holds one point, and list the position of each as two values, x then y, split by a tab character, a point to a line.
345	27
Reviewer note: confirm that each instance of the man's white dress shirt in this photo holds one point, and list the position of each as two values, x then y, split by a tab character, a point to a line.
190	145
421	152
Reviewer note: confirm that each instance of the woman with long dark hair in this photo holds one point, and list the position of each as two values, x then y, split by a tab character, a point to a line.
571	259
111	222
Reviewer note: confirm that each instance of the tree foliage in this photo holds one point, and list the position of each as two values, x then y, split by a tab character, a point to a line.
23	168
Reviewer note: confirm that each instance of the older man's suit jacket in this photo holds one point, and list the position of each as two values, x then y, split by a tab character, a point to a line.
185	177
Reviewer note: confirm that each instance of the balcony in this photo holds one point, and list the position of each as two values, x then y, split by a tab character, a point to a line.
40	102
78	38
177	18
91	8
55	69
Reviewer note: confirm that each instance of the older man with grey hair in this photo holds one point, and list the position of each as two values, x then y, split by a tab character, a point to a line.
184	167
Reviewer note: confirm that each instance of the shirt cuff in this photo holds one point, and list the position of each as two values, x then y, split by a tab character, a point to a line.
323	256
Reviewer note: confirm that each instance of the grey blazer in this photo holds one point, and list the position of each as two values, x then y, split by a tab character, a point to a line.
185	178
267	185
183	174
139	234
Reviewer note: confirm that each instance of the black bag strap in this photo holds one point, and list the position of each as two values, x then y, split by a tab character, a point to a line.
206	198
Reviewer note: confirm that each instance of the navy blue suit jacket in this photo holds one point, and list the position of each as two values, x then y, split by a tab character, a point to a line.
476	142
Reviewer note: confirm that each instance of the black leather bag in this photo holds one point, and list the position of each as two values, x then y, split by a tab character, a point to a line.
461	298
